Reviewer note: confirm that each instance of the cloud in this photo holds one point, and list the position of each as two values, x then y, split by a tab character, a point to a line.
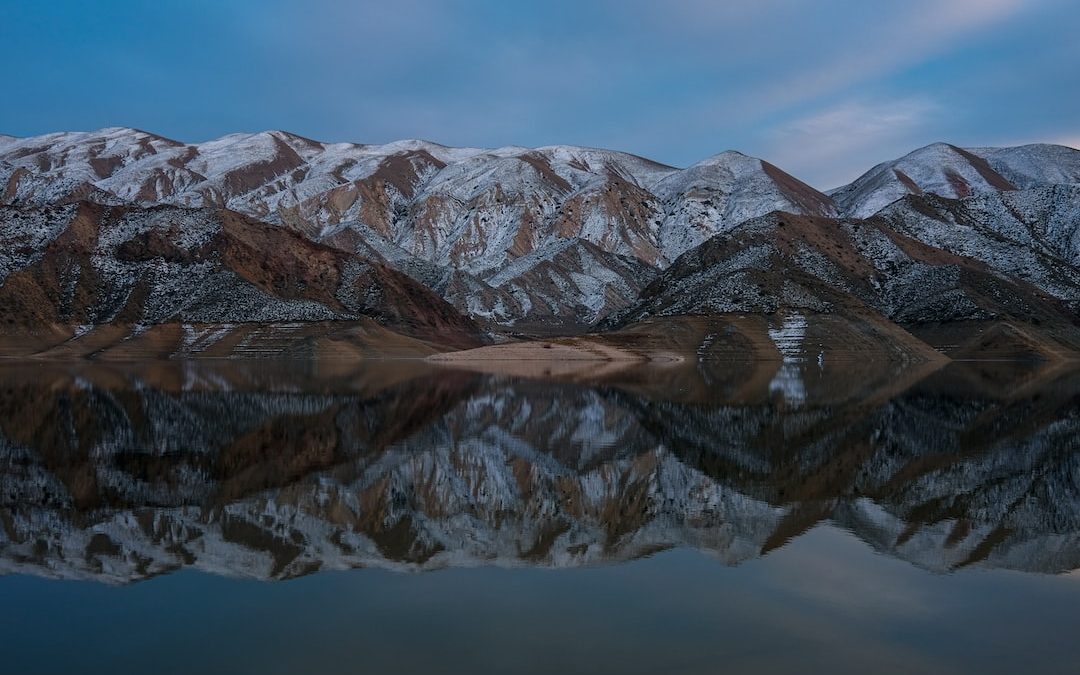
725	63
675	80
744	69
849	579
916	33
837	143
705	16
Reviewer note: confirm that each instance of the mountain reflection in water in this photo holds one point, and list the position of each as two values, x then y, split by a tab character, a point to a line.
118	473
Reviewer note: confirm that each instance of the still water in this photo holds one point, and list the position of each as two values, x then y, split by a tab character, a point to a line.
323	517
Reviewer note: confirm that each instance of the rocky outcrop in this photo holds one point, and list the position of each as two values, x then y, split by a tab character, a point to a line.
87	265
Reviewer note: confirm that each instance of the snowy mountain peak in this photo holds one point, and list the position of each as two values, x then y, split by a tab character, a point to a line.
725	189
1035	165
725	157
950	171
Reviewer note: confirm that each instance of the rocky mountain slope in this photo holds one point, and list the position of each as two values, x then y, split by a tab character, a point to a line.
79	266
449	215
469	208
557	239
949	171
864	277
1029	234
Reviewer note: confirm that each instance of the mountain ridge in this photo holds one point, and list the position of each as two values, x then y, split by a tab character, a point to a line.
558	237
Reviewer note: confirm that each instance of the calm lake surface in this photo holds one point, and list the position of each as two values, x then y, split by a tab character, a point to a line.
330	517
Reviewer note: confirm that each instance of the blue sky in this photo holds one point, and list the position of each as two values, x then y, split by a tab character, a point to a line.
823	88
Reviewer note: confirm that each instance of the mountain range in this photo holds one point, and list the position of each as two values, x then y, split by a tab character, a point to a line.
113	235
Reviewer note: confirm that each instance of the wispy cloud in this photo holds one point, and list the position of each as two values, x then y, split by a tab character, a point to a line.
902	37
775	63
833	145
675	80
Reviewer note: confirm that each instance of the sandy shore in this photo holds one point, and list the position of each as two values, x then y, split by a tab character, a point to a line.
580	357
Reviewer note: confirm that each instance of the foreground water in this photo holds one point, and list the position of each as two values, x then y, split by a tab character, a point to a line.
326	517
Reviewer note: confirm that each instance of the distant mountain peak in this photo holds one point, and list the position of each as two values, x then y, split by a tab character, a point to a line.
955	172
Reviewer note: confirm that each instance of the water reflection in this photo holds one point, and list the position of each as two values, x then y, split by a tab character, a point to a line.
276	470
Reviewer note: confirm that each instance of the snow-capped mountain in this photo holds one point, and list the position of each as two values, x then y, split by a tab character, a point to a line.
949	171
558	237
466	211
469	208
1035	165
720	192
79	266
570	274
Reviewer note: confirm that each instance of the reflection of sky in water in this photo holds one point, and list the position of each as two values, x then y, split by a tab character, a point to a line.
825	603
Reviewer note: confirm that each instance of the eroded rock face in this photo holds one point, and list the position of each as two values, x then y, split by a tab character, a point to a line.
118	475
86	265
1031	235
903	268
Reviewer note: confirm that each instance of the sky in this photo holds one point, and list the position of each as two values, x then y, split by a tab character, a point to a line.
823	88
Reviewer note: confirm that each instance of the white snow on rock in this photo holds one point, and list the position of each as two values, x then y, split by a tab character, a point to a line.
788	380
459	206
953	172
789	338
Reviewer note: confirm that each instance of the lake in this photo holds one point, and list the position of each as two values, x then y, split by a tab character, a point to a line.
393	517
